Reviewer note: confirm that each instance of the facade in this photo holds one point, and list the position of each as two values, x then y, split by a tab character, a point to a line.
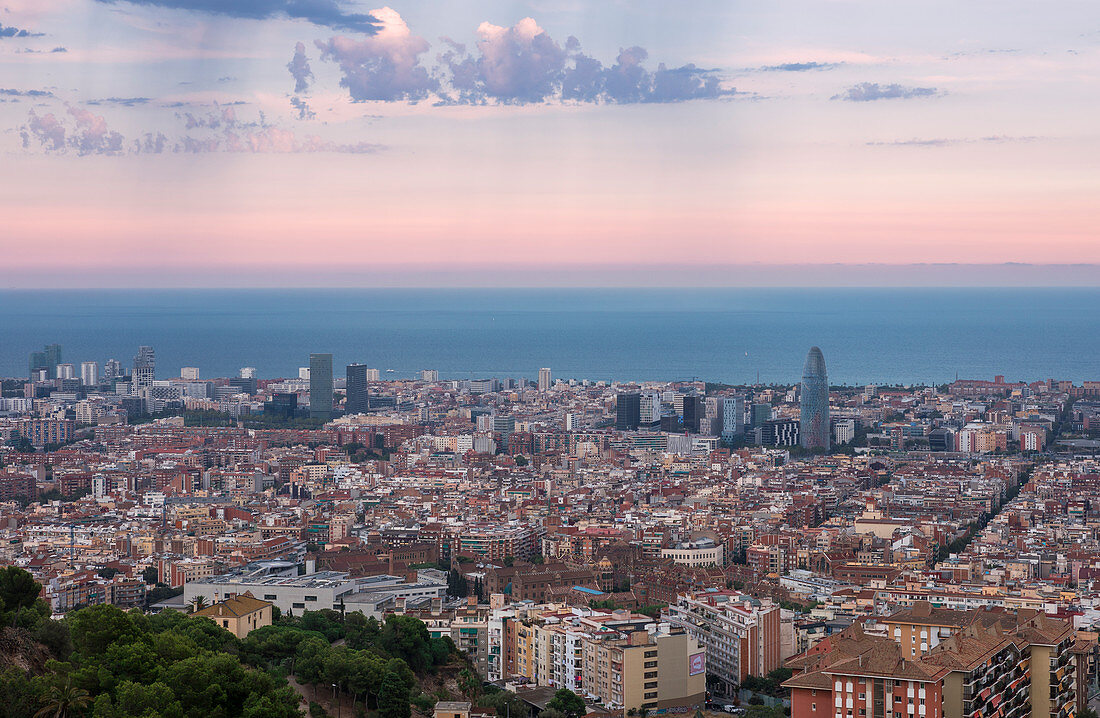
358	399
47	431
643	670
814	403
544	379
704	552
239	615
628	411
733	417
47	359
320	386
145	369
89	373
741	635
649	410
955	664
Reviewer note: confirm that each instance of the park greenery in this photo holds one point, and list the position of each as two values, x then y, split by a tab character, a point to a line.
104	662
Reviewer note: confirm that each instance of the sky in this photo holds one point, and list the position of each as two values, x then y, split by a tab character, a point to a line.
332	142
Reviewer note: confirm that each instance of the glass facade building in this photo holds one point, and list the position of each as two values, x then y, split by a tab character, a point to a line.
814	428
320	386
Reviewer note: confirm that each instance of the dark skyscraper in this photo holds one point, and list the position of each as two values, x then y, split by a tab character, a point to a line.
320	386
628	410
693	411
47	359
358	399
814	429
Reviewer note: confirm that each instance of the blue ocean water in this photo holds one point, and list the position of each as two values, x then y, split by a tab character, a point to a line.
726	335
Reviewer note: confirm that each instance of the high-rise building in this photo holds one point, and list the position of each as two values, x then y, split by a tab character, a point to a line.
47	359
89	373
358	400
145	368
544	379
649	410
628	410
692	412
248	372
320	386
733	417
429	375
112	370
66	371
814	430
190	373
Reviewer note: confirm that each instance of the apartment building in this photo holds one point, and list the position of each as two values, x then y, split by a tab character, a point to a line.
741	634
983	664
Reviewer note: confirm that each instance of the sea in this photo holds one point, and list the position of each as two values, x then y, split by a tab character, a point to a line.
723	335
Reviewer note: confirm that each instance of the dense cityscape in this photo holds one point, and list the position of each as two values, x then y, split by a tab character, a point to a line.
341	542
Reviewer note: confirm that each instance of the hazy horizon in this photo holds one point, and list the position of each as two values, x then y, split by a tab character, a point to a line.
672	276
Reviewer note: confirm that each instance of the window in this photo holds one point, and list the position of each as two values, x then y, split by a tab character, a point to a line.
813	706
298	605
270	597
311	598
225	624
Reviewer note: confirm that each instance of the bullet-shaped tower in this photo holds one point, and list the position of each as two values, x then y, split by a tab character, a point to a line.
814	429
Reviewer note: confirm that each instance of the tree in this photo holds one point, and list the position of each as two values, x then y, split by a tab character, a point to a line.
407	638
568	702
393	697
198	602
18	591
469	683
150	575
107	572
63	701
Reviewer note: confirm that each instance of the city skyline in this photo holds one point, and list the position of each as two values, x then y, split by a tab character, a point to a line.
161	149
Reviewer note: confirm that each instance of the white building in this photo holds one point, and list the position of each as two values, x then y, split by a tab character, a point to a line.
703	552
189	373
544	379
844	431
89	373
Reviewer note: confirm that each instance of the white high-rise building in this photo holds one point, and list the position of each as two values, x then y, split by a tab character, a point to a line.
544	379
66	371
650	413
373	375
733	417
189	373
248	372
572	422
303	373
429	375
89	373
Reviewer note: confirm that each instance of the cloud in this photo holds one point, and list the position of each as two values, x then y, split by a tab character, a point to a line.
84	133
304	110
299	68
869	91
524	64
325	13
949	141
385	66
124	101
799	66
88	133
9	31
9	92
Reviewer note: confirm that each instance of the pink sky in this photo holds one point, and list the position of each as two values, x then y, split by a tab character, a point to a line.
901	145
